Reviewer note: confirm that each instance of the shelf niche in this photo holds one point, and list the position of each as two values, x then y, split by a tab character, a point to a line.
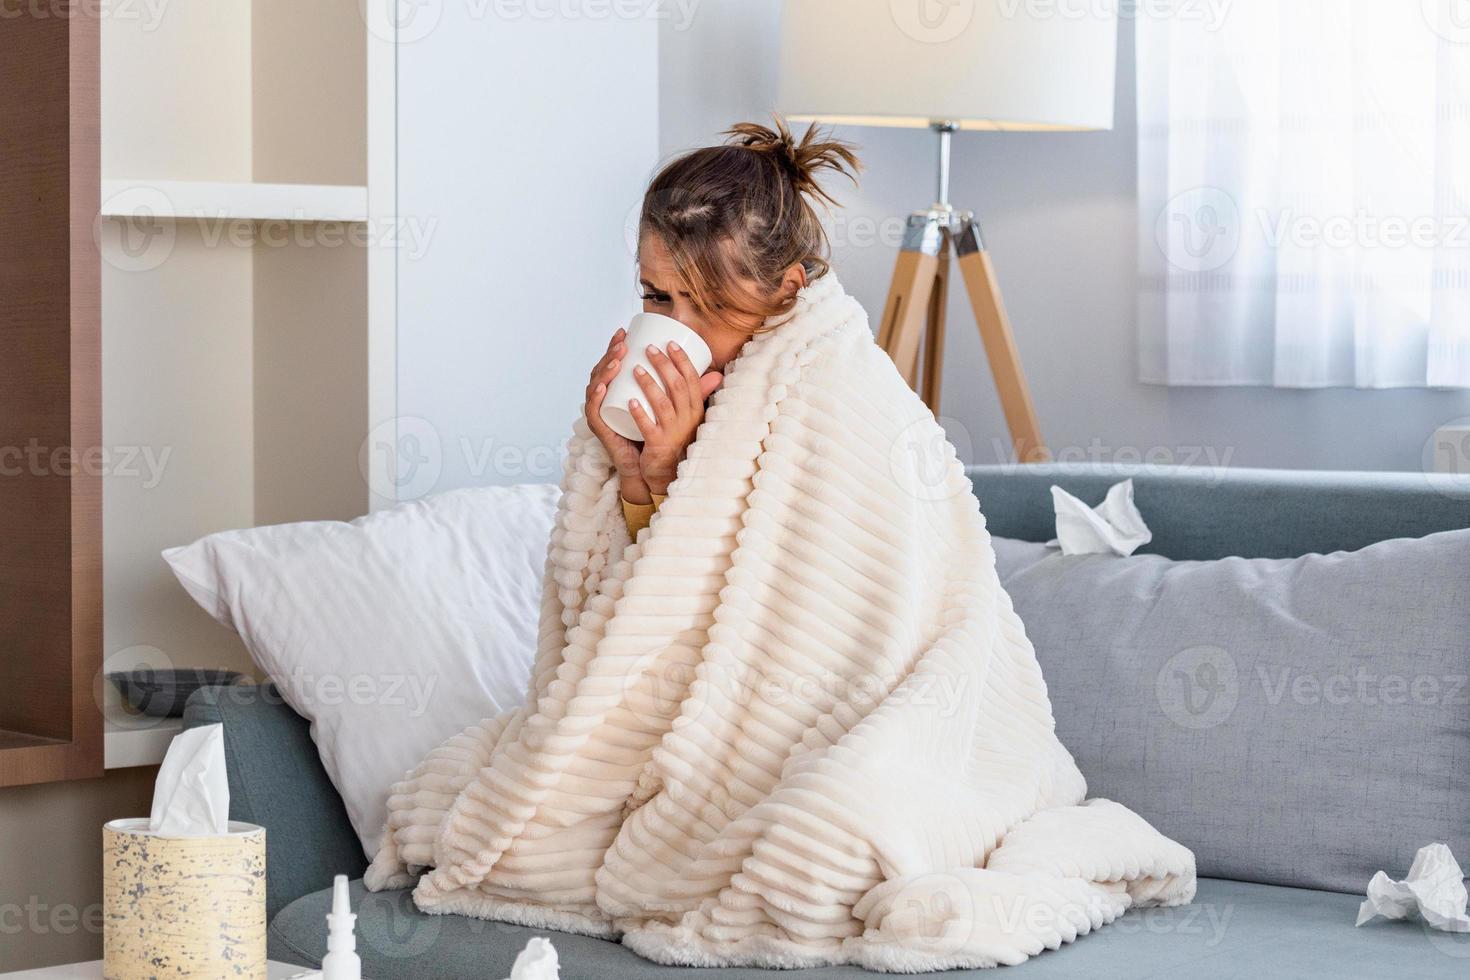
241	349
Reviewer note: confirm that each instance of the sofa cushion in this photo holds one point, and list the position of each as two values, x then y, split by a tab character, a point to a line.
1294	721
1012	556
1232	929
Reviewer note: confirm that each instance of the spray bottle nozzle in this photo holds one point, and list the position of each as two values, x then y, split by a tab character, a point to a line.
341	962
340	903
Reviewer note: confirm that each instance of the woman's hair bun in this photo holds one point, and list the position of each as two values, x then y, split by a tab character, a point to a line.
803	159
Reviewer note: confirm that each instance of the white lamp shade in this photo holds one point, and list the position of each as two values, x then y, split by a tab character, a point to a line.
983	64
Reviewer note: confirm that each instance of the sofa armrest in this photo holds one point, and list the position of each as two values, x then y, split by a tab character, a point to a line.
277	781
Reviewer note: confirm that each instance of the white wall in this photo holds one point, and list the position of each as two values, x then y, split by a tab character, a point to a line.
525	143
1059	217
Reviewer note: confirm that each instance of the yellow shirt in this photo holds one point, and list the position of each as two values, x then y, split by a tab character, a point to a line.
638	516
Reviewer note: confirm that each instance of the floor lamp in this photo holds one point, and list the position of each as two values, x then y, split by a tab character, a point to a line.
949	65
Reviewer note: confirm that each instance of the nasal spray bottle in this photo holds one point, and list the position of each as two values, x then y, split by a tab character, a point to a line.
341	962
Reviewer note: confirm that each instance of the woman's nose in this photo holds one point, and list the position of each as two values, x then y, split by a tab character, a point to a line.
688	314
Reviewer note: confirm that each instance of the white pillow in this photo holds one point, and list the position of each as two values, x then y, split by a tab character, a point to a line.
390	633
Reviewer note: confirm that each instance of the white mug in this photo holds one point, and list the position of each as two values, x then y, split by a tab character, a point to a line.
645	329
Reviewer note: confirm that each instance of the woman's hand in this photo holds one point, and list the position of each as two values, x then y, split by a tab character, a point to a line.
624	452
669	430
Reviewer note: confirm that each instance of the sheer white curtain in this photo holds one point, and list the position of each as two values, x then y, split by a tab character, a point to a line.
1304	193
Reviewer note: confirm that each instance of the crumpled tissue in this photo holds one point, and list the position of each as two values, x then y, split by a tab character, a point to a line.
191	796
1114	525
536	962
1433	892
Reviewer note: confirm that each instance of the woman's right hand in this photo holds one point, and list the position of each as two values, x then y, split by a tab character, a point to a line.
623	451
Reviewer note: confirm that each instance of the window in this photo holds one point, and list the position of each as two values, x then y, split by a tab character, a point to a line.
1303	176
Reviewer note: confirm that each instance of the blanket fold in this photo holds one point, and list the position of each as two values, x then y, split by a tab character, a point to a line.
797	722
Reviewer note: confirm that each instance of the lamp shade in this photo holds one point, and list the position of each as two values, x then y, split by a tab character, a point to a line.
981	64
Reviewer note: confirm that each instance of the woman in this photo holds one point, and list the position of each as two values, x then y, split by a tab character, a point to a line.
727	237
794	721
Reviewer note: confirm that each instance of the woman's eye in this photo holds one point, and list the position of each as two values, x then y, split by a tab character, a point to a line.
655	298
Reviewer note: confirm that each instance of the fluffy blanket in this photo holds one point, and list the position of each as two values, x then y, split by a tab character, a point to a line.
797	722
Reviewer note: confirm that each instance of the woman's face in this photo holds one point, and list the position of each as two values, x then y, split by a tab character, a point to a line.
664	292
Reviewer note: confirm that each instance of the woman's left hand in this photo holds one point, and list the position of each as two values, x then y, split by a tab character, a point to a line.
669	430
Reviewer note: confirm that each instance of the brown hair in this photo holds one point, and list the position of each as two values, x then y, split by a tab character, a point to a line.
736	217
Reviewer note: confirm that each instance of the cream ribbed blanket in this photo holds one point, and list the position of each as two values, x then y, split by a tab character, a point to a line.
797	722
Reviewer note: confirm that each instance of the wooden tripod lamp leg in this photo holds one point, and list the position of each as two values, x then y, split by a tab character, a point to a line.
934	336
906	313
1000	344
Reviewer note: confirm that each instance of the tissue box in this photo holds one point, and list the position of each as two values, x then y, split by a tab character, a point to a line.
183	906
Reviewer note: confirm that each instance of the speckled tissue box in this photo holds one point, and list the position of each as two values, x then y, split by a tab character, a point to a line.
183	906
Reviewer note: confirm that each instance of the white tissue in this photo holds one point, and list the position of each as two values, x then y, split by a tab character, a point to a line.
1115	525
1433	892
191	797
536	962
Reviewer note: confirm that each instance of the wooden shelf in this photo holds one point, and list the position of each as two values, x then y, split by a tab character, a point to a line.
244	200
136	740
20	740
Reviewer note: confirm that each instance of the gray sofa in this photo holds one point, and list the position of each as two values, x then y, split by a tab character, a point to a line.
1262	927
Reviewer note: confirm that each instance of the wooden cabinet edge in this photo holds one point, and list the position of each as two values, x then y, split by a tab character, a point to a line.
85	81
81	755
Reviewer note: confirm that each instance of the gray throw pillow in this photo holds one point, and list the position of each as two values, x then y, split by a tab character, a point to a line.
1296	721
